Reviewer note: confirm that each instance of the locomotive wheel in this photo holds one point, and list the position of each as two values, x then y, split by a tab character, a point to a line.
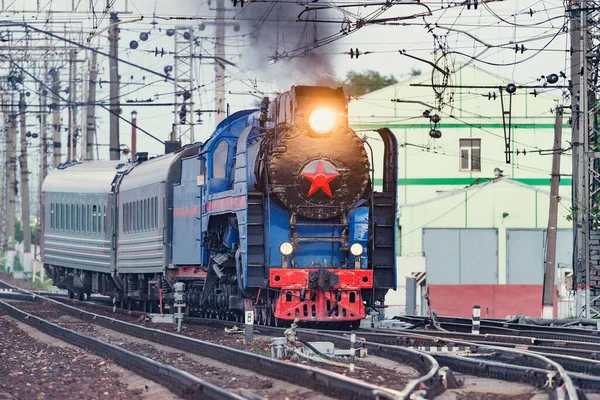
80	296
71	294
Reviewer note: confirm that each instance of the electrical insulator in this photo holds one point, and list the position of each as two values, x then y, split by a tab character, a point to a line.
435	133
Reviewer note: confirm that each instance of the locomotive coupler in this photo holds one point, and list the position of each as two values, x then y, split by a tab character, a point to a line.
322	280
179	288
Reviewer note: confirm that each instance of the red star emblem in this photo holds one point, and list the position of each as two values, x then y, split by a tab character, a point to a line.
320	180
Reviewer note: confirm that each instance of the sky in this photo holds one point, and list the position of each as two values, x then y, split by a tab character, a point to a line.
265	48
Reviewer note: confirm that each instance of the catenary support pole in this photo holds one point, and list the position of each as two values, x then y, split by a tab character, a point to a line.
71	109
11	150
24	188
113	37
91	109
219	66
550	267
55	73
133	134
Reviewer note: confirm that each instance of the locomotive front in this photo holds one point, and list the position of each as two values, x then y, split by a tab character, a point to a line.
318	174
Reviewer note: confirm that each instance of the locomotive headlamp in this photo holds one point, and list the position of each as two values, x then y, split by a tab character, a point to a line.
321	120
356	249
286	248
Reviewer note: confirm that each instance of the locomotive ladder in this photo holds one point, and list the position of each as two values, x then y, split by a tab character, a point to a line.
256	239
383	255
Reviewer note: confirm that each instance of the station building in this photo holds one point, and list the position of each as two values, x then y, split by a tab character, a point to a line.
474	203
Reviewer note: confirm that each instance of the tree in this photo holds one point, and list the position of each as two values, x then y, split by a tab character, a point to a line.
19	233
358	83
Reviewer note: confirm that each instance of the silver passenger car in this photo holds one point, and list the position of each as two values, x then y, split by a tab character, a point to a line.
77	224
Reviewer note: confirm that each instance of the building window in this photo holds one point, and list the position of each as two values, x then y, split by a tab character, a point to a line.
470	154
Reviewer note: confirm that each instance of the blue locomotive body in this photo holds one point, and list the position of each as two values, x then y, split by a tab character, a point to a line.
271	213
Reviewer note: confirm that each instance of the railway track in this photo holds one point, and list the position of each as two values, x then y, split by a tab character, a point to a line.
483	356
502	327
178	381
331	384
528	367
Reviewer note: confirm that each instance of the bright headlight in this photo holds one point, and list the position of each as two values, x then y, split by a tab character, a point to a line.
286	248
321	120
356	249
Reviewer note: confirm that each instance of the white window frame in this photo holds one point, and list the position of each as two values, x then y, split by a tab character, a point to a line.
468	145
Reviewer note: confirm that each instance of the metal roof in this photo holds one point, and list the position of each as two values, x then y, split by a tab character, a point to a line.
84	177
152	171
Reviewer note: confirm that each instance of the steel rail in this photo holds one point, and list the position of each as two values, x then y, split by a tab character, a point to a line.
329	383
566	379
178	381
494	369
497	325
426	338
420	360
430	377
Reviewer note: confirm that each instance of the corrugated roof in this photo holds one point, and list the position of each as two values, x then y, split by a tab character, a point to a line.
85	177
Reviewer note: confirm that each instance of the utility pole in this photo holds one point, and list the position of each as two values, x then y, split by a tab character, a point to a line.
3	181
133	135
71	110
219	66
55	73
550	267
113	38
586	163
575	68
43	150
91	109
11	153
24	181
183	113
43	132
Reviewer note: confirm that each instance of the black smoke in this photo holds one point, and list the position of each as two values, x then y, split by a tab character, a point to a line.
288	51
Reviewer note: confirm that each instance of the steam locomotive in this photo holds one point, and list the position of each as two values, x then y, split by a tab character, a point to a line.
276	212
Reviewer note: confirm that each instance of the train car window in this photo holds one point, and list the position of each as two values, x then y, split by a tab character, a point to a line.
219	160
150	227
147	216
83	218
73	218
76	219
156	211
153	212
62	217
136	217
51	215
130	217
140	216
68	223
94	219
103	219
124	218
